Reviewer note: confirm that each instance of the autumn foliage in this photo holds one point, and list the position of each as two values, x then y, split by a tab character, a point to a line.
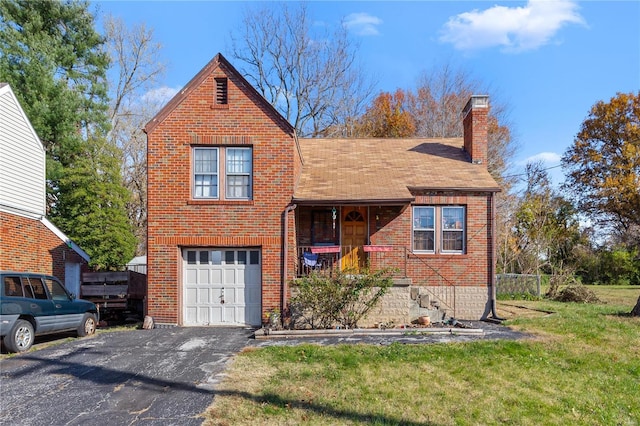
387	117
603	164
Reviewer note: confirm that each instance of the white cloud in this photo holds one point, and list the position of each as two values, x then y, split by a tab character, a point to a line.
362	24
515	29
160	96
547	158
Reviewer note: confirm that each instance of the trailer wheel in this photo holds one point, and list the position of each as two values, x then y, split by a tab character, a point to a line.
20	338
88	325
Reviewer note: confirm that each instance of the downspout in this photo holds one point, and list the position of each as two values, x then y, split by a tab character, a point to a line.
285	255
494	311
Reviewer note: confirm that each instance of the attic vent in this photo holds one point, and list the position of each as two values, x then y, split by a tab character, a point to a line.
221	91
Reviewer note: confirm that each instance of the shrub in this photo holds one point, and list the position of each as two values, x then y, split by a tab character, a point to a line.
341	299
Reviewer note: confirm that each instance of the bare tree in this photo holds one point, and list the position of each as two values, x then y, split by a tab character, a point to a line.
308	74
135	62
437	105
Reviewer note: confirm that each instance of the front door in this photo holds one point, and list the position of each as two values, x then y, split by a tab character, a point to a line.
354	237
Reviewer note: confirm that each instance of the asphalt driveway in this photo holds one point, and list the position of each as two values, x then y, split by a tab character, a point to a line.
164	376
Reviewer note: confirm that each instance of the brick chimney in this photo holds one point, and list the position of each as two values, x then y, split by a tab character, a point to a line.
475	123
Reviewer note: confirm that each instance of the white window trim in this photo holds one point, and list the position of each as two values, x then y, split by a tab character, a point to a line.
194	173
250	174
443	230
439	230
221	173
414	229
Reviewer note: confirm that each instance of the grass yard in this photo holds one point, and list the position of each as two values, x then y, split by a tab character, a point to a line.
582	367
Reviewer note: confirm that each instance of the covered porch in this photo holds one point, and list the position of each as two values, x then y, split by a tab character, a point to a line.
348	238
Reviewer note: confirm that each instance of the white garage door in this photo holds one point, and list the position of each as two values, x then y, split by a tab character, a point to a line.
222	287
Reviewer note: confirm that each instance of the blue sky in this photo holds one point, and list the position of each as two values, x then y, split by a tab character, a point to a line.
548	60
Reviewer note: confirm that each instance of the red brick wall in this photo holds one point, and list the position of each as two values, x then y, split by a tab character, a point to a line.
391	225
476	129
27	245
175	221
473	268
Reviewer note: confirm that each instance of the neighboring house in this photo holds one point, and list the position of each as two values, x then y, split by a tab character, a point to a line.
28	240
138	264
238	207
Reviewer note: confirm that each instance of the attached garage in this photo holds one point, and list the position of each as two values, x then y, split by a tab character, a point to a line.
221	286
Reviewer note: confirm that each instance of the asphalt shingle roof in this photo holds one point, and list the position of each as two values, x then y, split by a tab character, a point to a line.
385	170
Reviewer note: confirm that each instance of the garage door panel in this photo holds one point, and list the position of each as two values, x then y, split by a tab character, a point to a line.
203	276
252	296
222	287
203	296
238	295
191	276
191	296
191	314
230	277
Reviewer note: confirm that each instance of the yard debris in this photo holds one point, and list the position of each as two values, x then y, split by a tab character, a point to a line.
577	293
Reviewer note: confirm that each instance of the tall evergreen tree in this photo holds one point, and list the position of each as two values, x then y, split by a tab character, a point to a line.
52	55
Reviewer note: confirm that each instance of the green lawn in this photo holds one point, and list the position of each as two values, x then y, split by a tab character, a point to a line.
582	367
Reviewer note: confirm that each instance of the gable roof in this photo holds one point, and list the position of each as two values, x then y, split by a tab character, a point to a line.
5	90
217	62
385	171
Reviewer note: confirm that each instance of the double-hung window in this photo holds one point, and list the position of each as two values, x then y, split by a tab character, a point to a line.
452	229
438	229
424	229
238	171
205	177
222	173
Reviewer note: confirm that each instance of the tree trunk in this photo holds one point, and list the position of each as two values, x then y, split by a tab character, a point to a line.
635	312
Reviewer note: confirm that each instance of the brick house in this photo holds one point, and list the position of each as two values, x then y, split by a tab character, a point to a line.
28	240
238	206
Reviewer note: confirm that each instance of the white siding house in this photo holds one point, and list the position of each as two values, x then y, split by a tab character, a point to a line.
22	159
29	241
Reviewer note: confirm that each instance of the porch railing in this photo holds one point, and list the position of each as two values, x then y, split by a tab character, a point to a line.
328	259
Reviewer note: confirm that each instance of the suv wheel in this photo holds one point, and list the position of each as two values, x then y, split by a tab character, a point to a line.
21	337
88	326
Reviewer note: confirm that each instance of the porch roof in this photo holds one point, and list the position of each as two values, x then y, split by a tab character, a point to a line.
386	171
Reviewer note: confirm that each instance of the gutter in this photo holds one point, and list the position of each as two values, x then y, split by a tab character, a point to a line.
285	257
355	202
494	311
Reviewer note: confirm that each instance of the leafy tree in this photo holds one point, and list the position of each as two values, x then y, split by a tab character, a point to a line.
50	52
136	66
387	117
603	165
307	74
546	229
95	206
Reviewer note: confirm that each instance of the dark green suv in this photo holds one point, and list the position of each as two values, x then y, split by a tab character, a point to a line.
34	304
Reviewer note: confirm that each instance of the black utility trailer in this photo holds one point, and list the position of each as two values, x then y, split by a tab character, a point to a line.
118	295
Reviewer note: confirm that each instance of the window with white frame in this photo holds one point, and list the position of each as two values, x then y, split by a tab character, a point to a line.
452	229
424	229
205	173
438	229
238	171
222	173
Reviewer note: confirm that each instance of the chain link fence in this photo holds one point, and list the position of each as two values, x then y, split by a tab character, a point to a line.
517	285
